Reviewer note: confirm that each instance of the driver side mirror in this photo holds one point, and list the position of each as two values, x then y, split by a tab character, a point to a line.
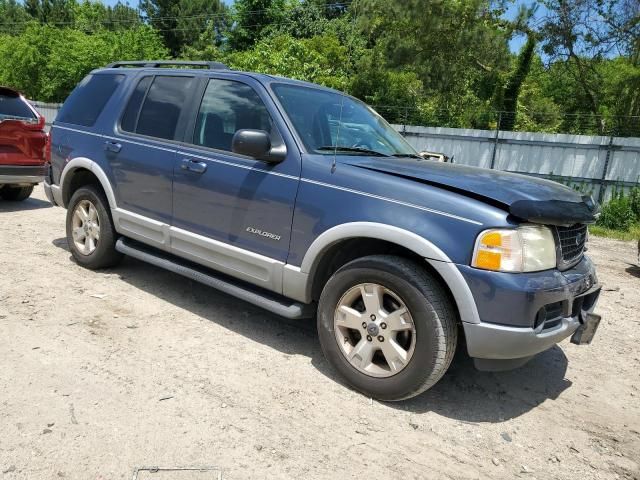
257	144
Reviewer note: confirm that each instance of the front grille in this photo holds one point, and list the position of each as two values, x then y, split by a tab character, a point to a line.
572	243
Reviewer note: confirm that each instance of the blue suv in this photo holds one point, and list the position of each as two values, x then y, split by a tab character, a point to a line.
304	201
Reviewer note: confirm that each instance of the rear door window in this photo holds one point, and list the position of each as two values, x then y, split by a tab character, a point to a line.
130	117
154	110
229	106
87	100
13	106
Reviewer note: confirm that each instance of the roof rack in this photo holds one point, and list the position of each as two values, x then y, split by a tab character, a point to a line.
162	63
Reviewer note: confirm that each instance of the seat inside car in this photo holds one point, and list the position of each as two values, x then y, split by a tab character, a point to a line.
214	135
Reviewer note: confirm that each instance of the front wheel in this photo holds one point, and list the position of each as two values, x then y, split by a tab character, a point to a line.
387	326
90	233
16	194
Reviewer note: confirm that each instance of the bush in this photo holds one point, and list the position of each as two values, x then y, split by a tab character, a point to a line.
621	212
634	200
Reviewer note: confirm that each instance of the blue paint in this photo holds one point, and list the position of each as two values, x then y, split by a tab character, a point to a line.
308	193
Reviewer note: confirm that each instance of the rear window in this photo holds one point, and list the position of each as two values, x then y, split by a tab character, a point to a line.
12	106
158	114
88	99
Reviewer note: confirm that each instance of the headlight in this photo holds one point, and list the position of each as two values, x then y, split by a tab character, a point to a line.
529	248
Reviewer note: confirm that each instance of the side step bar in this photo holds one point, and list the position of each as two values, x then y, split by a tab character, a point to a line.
271	302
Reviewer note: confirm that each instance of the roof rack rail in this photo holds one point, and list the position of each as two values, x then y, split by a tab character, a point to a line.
161	63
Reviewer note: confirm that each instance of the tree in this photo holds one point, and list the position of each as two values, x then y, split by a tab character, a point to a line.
393	93
13	16
254	20
181	22
318	59
305	19
91	16
59	12
508	103
584	34
46	62
457	49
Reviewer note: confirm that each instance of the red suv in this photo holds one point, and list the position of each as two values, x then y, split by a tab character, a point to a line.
23	146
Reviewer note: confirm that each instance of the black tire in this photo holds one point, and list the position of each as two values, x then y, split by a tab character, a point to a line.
105	255
16	194
433	315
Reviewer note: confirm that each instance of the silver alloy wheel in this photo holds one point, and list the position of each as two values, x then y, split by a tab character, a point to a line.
85	227
375	330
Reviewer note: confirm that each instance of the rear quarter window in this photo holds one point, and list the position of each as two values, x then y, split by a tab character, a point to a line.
88	99
13	106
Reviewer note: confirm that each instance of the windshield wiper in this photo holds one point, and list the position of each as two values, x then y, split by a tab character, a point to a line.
407	155
354	150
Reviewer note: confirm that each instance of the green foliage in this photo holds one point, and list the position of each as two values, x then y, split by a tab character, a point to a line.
46	62
621	212
182	22
390	91
632	234
90	16
634	201
451	46
255	19
12	15
511	92
317	59
440	63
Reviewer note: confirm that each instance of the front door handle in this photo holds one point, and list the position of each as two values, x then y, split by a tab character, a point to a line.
112	146
193	166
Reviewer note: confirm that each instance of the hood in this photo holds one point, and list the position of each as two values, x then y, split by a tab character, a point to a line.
528	198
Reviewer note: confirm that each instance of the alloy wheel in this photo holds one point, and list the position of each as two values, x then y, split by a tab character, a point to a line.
375	330
85	227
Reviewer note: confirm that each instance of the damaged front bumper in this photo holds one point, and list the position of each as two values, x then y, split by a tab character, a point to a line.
509	335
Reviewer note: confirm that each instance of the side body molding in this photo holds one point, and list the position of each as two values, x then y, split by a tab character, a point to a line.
293	282
93	167
297	281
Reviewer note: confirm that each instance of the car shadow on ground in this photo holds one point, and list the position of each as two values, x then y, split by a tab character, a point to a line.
28	204
464	393
470	395
633	270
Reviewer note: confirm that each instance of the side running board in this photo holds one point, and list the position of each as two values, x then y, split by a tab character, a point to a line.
269	301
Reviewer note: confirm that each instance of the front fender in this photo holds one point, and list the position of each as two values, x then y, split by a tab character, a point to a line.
298	280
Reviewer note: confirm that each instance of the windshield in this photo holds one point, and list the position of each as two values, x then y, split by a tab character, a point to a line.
329	122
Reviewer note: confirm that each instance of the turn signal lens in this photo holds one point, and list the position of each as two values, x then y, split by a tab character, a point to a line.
528	248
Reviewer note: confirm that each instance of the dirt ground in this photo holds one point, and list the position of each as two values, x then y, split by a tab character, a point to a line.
105	372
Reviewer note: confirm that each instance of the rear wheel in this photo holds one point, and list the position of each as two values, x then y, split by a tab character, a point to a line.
387	326
90	233
16	194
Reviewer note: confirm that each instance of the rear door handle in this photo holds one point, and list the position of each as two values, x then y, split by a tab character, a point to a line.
112	146
193	166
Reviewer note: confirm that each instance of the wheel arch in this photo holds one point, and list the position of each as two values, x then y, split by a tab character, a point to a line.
82	171
305	282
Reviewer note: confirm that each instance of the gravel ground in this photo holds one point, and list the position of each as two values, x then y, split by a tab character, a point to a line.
105	372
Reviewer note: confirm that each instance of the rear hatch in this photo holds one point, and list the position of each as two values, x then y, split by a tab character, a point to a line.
22	137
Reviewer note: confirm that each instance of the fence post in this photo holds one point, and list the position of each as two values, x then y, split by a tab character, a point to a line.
495	141
406	119
603	178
